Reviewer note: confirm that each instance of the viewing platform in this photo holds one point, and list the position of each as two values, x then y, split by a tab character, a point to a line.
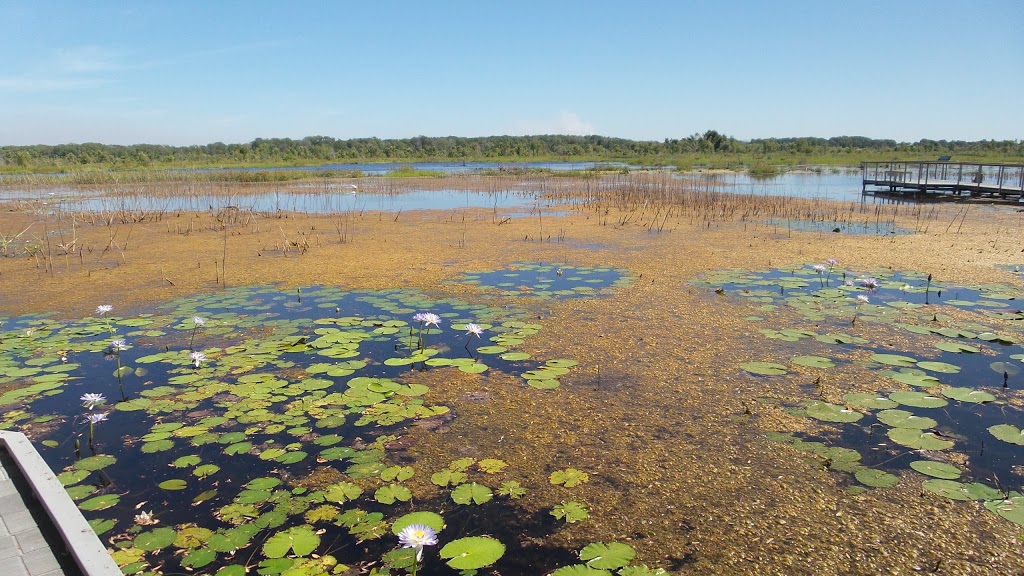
42	532
944	178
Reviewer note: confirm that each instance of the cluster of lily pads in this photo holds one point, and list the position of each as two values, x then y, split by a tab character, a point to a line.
252	428
951	396
549	281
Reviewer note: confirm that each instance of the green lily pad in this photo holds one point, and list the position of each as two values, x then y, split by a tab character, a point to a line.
393	493
918	440
155	539
967	395
301	540
894	360
472	552
957	347
570	477
918	399
472	493
764	368
94	463
936	469
607	556
960	491
100	502
873	401
1008	433
832	412
876	478
1012	508
941	367
571	512
904	419
432	519
1008	368
173	484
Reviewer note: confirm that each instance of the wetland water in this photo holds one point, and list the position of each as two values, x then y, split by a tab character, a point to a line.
334	197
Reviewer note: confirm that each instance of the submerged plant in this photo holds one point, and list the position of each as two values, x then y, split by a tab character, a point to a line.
417	536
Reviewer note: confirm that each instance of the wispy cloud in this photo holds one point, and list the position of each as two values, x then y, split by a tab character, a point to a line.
26	83
568	123
86	59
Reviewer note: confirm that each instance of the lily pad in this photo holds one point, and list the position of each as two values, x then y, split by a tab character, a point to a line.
1008	433
894	360
832	412
300	540
570	477
607	556
876	478
904	419
426	518
1012	508
873	401
918	440
764	368
936	469
472	493
941	367
472	552
967	395
813	361
918	399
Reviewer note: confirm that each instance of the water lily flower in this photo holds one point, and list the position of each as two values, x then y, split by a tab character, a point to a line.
428	318
820	268
417	536
197	358
103	309
118	345
863	298
474	330
145	519
96	418
832	262
199	321
870	283
92	399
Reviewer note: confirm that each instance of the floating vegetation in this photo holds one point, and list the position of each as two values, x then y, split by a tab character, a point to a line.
550	281
952	388
231	403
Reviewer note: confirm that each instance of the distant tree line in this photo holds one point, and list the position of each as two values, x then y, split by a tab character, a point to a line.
324	149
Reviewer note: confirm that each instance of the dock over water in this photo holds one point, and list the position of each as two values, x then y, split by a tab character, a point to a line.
42	532
922	177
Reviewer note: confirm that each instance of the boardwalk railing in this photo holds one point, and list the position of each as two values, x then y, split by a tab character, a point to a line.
973	178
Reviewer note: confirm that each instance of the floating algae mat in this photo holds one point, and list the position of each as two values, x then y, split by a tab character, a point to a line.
255	429
550	281
949	408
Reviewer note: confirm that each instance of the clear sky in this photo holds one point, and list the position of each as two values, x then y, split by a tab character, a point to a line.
194	72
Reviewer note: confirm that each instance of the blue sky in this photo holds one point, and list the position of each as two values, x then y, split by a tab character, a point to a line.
192	72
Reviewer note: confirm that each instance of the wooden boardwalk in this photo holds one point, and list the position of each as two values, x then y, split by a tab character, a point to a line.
946	178
42	532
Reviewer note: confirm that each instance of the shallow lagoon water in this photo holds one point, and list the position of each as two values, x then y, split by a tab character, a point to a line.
340	201
224	452
964	374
